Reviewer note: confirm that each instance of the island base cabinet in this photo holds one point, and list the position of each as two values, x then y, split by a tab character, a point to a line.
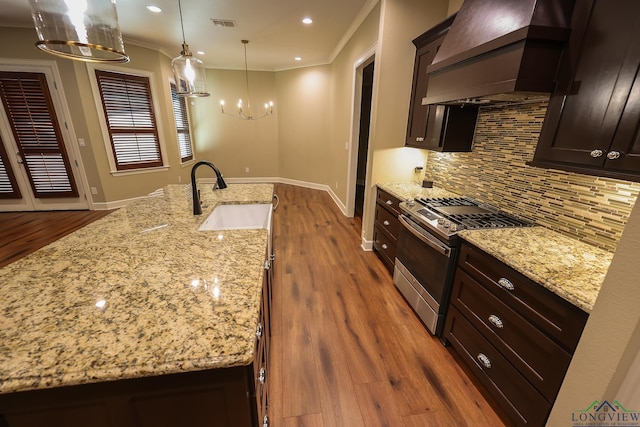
213	398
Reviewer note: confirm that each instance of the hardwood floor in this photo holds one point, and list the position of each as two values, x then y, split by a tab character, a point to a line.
346	348
24	232
347	351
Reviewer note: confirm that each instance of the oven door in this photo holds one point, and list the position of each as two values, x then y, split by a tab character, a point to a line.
426	264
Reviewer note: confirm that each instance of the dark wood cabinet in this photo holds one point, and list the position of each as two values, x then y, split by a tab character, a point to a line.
436	127
386	228
592	123
517	336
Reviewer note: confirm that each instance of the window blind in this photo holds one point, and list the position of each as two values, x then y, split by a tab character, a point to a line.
32	117
131	121
182	125
8	186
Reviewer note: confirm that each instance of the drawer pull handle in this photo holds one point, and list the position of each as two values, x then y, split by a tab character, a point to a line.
384	246
261	376
259	330
596	153
386	222
265	421
419	138
482	358
506	284
612	155
389	202
496	321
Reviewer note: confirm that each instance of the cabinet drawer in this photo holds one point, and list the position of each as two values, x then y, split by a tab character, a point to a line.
387	221
389	201
556	317
538	358
523	404
385	247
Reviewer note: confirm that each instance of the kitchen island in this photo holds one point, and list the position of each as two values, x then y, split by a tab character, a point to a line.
130	306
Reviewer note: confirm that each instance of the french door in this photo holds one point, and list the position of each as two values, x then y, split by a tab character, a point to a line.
39	166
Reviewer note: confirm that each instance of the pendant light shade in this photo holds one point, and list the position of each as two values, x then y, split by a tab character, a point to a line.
188	71
85	30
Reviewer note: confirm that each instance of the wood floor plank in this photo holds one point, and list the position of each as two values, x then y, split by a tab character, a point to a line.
310	420
340	406
377	405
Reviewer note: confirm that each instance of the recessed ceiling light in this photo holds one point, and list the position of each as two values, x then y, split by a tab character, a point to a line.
307	21
298	58
153	8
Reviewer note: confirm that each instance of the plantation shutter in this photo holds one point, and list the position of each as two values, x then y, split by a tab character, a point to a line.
29	108
131	122
182	125
8	186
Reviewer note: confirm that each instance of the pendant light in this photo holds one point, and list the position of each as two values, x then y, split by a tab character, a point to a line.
85	30
245	113
188	71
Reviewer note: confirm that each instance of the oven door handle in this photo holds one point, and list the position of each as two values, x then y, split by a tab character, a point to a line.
416	231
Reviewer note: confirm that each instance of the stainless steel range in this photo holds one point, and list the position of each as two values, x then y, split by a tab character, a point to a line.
428	248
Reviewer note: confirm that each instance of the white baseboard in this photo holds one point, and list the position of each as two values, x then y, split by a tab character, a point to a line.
255	180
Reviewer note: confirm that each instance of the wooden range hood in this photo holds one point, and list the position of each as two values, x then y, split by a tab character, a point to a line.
500	50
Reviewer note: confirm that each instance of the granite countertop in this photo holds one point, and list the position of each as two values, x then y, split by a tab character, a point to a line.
571	269
411	190
139	292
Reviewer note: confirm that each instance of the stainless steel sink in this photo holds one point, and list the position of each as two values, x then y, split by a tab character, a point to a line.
239	216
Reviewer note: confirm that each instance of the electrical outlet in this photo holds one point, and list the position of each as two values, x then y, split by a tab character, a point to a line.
346	146
336	185
246	169
94	190
81	142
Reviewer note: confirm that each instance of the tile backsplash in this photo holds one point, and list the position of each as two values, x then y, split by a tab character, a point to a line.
588	208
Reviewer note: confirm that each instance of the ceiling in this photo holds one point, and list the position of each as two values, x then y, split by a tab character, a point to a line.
274	29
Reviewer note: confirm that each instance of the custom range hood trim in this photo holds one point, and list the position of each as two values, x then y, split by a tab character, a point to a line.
516	61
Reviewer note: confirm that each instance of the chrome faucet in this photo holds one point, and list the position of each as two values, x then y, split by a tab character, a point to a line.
197	207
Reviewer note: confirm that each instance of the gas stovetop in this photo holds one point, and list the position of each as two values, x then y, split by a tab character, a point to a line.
447	216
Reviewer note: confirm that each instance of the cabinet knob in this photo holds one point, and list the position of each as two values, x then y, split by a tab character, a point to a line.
385	222
384	246
419	138
482	358
506	284
596	153
612	155
259	330
265	421
389	202
496	321
262	376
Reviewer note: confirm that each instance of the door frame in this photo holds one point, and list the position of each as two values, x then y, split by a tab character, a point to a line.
363	60
69	140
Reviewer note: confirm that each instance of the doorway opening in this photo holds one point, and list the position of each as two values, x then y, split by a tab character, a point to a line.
363	138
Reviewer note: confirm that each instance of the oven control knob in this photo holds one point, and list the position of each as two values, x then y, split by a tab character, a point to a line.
446	223
453	227
411	202
441	221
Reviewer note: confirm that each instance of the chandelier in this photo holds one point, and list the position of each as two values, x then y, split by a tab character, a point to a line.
188	71
85	30
245	113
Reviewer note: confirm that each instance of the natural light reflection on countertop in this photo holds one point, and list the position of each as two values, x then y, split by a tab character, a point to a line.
125	296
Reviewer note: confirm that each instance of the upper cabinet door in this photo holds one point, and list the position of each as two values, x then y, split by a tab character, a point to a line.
417	124
592	120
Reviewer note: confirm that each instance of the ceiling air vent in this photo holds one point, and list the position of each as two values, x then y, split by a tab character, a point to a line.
228	23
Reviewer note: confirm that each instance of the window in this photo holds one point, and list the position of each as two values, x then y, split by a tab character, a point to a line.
182	125
32	118
130	120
